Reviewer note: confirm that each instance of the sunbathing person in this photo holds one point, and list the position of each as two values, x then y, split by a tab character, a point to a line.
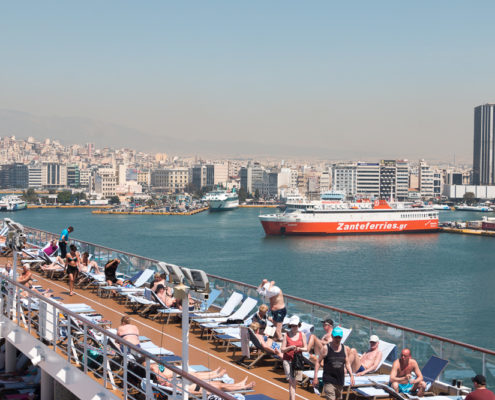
368	361
86	265
261	317
277	304
72	262
58	264
405	376
164	378
26	277
269	345
159	279
164	375
128	331
166	297
7	271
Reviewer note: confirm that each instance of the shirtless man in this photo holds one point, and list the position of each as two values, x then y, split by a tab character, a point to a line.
401	376
168	300
314	342
26	276
277	305
369	361
128	331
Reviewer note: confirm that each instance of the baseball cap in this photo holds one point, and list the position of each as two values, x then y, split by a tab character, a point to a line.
327	321
374	338
337	332
294	320
479	379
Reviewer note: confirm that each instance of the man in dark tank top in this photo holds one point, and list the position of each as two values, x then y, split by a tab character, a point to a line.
334	365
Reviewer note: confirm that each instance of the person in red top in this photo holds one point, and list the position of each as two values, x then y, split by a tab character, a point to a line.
293	342
480	391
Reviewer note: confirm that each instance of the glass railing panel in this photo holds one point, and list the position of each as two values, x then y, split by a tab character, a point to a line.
489	370
463	363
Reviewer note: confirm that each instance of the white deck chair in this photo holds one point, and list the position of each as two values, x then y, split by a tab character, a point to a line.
228	308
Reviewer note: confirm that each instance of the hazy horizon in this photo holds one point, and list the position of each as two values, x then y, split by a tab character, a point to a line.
320	79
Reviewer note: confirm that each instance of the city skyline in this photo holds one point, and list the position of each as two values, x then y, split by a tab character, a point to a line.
324	80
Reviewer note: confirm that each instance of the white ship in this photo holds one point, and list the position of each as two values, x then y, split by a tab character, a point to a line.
440	207
480	208
12	203
221	200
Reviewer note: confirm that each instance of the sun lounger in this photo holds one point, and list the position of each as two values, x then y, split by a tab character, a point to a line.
228	308
136	283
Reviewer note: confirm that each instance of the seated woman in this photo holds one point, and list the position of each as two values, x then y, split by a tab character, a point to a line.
158	279
128	331
269	345
87	265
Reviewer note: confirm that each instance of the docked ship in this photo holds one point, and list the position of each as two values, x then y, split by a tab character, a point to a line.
12	203
222	200
479	208
341	218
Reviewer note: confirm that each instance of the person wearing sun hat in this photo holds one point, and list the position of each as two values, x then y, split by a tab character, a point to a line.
293	345
335	363
480	391
369	361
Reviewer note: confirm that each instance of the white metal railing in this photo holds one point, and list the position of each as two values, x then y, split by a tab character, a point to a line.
122	367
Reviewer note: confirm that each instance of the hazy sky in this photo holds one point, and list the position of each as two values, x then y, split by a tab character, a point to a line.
380	78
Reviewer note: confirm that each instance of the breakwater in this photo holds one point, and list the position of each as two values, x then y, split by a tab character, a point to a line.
111	212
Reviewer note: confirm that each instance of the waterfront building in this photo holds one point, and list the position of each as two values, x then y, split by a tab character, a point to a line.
85	178
484	145
170	180
325	181
144	178
105	182
426	180
73	176
221	174
344	179
394	179
53	175
14	176
34	176
368	180
457	192
202	176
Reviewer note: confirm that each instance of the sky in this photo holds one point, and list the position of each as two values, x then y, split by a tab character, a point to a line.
356	79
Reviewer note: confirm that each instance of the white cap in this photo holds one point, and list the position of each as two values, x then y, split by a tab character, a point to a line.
294	320
374	338
26	266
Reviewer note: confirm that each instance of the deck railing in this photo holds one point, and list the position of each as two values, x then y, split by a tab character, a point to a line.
465	360
85	343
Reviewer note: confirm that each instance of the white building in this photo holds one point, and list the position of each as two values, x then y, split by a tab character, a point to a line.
53	175
221	174
34	176
426	180
325	181
368	180
106	182
344	179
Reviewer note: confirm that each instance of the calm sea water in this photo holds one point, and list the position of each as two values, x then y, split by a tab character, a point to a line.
438	283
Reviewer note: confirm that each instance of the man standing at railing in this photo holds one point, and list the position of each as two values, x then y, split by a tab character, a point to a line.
64	239
480	391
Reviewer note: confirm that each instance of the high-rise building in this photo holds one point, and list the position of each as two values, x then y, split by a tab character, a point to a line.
426	180
73	177
484	145
14	175
53	175
344	177
368	180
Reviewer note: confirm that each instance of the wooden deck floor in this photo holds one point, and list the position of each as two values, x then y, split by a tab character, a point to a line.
269	382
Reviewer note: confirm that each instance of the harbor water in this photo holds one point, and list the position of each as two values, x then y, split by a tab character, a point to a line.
439	283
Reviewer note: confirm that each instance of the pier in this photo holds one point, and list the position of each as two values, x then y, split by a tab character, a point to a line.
191	212
467	231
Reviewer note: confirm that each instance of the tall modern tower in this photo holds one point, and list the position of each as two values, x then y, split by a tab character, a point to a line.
484	145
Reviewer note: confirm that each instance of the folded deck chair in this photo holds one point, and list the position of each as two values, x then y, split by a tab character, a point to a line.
228	308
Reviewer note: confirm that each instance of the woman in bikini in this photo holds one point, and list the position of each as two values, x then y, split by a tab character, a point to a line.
128	331
72	263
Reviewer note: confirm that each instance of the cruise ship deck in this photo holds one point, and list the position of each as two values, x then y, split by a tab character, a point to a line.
464	361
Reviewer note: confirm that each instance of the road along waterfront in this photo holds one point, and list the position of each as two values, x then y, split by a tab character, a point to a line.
438	283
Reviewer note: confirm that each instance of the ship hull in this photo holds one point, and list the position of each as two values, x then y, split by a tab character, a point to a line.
223	205
346	223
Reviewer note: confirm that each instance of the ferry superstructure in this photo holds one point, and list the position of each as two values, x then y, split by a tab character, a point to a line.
340	218
12	203
222	200
479	208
